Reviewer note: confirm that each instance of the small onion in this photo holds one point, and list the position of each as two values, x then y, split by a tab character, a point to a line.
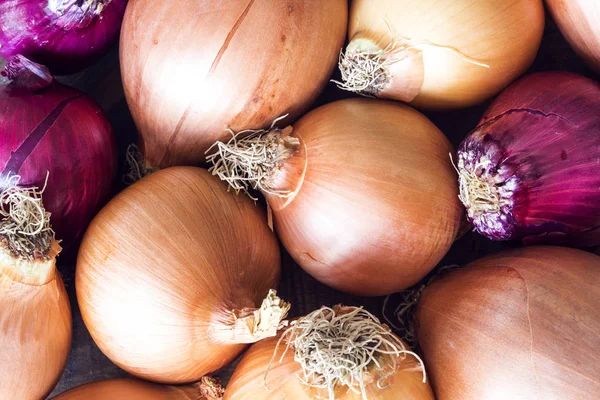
439	54
523	324
171	273
362	192
579	21
191	69
129	389
338	353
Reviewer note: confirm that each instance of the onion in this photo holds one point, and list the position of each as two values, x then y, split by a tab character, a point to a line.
191	69
332	353
439	56
530	169
65	35
523	324
579	21
362	192
35	316
48	128
171	272
129	389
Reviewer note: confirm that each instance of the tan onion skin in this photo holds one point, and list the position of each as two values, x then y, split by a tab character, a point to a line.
161	267
375	203
193	68
35	330
247	381
505	34
523	324
579	21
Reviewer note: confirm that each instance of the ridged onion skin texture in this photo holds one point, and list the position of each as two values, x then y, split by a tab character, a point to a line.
284	379
519	325
35	330
163	266
238	64
435	39
579	22
374	205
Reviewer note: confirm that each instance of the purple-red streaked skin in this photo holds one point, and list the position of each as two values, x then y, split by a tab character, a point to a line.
542	136
64	35
62	132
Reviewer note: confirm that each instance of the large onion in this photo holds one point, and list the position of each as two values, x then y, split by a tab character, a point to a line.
523	324
579	21
439	54
191	69
340	353
170	275
362	192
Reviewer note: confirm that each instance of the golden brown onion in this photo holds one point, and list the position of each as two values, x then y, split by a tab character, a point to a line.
191	69
170	275
398	376
363	192
439	54
522	324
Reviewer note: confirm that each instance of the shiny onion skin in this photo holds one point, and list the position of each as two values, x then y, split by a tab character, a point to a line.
530	169
191	69
64	35
59	132
579	21
35	326
442	55
523	324
162	268
129	389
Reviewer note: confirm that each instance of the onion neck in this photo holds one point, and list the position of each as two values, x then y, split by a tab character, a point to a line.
28	271
22	72
74	14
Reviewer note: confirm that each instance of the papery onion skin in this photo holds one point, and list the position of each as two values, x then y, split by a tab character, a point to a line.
239	66
59	132
541	137
521	324
64	35
372	208
579	22
35	328
503	34
162	266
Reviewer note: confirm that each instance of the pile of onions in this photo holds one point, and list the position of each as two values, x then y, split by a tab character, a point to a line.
579	21
129	389
171	274
362	191
530	169
439	56
47	128
64	35
192	69
35	315
338	353
523	324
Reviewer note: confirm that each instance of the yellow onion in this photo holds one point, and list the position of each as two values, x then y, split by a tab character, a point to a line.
191	69
171	274
522	324
35	315
579	21
439	54
129	389
338	353
363	193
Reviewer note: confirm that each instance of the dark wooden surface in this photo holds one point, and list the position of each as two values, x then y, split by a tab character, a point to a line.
102	82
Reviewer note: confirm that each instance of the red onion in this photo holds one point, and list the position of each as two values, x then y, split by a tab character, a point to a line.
56	131
530	169
65	35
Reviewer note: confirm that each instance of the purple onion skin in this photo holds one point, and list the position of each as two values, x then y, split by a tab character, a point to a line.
64	43
63	132
542	139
